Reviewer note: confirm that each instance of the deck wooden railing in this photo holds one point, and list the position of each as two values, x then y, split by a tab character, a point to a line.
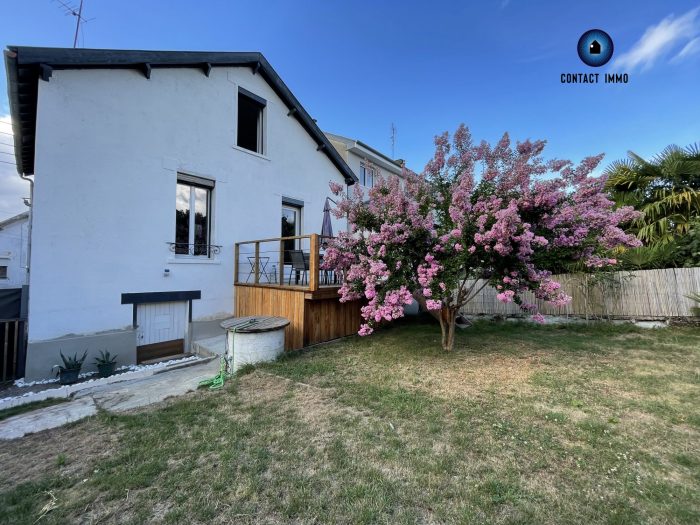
284	262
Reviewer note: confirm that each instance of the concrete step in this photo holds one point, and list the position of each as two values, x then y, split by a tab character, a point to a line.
210	346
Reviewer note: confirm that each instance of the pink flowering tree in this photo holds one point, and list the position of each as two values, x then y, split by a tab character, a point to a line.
499	214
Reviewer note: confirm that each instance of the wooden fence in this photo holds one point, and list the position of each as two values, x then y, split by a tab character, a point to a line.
645	294
13	332
12	337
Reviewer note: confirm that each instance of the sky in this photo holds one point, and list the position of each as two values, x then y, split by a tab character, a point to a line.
357	67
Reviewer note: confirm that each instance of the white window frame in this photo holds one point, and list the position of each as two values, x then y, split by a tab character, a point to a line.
298	208
363	175
208	185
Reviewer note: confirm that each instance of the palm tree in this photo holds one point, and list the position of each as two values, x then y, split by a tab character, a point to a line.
666	189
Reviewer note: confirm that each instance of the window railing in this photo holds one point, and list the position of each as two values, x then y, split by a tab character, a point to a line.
194	250
293	262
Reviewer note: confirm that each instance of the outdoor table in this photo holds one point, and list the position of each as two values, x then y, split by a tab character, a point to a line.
262	270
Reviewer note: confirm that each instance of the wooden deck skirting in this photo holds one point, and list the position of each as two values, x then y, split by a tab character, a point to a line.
314	311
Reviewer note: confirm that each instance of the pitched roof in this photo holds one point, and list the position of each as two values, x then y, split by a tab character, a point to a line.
19	217
351	144
26	65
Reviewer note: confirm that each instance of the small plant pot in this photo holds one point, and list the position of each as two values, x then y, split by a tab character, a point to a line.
106	369
68	376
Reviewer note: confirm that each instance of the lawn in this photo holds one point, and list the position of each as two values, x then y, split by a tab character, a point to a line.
520	424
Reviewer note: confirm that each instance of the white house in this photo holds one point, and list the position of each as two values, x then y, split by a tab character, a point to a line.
148	167
365	161
14	240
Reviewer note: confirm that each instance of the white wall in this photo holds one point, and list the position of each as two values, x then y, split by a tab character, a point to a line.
108	148
13	253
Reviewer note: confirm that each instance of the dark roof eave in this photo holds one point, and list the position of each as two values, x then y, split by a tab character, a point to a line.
13	97
31	59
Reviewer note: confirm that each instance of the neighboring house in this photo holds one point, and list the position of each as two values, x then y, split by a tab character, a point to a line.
148	167
365	161
14	239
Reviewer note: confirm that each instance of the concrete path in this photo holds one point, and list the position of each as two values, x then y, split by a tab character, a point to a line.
116	397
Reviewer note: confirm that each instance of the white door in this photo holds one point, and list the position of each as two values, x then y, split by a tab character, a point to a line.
160	322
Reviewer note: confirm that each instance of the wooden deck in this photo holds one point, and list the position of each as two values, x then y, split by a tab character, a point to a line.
314	309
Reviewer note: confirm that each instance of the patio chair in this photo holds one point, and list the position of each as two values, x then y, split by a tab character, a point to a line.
299	265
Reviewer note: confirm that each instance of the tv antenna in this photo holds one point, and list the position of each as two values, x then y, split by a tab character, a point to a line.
77	12
393	140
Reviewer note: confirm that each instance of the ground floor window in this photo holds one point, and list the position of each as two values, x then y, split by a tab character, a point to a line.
193	216
291	227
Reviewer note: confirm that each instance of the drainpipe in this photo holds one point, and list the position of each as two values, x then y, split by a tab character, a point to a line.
31	219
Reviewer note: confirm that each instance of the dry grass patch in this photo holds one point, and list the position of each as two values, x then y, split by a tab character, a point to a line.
66	451
519	425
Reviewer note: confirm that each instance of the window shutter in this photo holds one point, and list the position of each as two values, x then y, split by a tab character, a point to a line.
197	181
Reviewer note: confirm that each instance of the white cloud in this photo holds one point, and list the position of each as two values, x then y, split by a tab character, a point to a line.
659	39
12	188
690	49
504	3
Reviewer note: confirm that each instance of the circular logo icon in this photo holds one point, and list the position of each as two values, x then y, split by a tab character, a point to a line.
595	48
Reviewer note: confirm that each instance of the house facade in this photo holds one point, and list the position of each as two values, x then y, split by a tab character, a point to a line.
365	161
14	242
149	167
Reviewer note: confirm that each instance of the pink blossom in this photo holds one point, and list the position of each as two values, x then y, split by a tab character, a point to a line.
506	297
538	318
401	236
365	329
336	188
432	304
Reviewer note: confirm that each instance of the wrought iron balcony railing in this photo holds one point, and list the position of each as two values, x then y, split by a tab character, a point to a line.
195	250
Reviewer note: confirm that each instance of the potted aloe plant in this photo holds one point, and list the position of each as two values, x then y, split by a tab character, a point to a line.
105	364
69	371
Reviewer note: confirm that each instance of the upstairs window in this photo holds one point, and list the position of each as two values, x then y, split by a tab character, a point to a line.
3	272
367	175
251	109
193	216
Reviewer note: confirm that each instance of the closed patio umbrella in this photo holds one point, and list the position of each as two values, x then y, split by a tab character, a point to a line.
326	226
326	235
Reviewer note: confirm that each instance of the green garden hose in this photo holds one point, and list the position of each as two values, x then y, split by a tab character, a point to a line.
219	379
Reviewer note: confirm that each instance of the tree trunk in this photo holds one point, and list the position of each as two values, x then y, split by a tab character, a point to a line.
448	317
